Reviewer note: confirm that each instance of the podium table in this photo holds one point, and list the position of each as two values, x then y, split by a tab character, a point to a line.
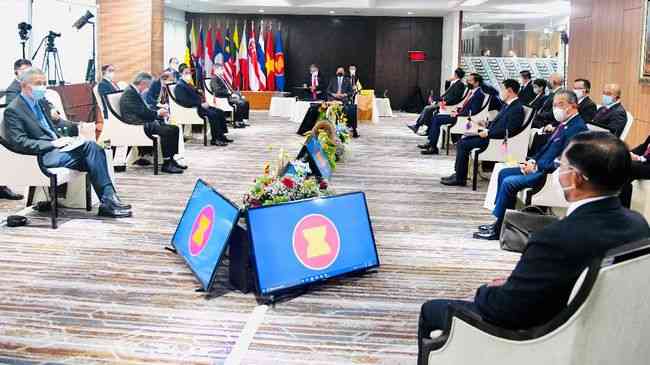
383	108
282	106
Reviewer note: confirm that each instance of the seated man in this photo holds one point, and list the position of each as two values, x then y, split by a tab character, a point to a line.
107	85
544	116
533	173
222	89
136	111
454	92
592	171
586	107
611	116
314	85
539	89
469	106
526	93
340	89
30	130
173	68
13	90
156	95
640	170
509	121
187	96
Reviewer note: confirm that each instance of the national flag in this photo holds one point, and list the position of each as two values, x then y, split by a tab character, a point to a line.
188	54
229	59
253	73
242	57
219	57
209	52
270	62
193	41
261	58
279	62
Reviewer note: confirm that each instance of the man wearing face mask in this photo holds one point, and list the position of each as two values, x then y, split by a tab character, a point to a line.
173	68
136	111
533	172
586	107
315	85
354	78
340	89
592	171
544	117
107	85
611	116
29	129
188	96
222	89
526	94
508	122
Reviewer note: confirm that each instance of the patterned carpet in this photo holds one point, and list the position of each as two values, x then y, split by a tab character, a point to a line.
105	291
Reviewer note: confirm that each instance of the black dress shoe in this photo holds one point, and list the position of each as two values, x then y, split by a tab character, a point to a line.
238	125
107	210
452	177
453	183
177	164
6	193
414	128
142	162
430	151
424	146
219	143
487	227
115	202
227	140
171	168
355	134
489	236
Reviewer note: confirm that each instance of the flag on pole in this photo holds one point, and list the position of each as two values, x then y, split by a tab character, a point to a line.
242	57
279	62
199	61
253	73
261	58
193	41
229	59
270	62
234	53
209	52
219	57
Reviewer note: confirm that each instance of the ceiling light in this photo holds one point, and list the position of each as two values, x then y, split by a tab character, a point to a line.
261	10
473	2
410	13
332	12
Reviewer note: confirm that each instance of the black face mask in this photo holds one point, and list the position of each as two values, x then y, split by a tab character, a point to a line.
339	74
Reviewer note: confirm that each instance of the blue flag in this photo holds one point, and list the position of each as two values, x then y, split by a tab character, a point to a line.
279	62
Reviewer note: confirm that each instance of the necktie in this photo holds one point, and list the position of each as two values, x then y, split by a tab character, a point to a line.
117	87
467	99
340	82
43	122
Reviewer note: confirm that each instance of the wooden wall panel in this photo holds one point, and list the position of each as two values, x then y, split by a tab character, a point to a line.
605	48
131	36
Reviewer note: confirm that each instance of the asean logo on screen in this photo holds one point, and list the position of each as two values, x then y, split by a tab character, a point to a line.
201	230
316	242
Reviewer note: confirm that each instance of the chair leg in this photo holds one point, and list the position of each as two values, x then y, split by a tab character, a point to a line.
30	195
205	132
448	137
89	198
475	172
54	209
155	155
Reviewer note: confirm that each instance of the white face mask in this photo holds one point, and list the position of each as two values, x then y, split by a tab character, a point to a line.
559	114
187	77
353	72
579	93
556	180
110	75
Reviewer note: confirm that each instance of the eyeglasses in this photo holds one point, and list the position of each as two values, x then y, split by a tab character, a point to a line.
557	163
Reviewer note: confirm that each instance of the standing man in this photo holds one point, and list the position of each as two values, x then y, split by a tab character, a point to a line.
354	77
315	84
340	89
586	107
526	94
222	89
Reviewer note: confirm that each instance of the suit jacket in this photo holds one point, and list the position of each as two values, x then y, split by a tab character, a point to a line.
152	95
495	103
510	119
526	94
541	283
346	87
546	156
538	102
105	87
454	93
587	109
320	87
640	149
23	131
612	119
134	109
177	75
474	105
545	113
186	95
12	91
219	87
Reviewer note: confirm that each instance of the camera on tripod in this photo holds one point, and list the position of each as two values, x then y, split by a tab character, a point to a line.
53	35
23	31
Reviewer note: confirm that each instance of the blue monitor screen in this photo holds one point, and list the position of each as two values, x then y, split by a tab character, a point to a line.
204	230
299	243
318	156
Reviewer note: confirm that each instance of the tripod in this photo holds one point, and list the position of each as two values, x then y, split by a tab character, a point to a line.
51	65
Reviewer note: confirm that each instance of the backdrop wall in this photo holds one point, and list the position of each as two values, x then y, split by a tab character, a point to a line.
378	45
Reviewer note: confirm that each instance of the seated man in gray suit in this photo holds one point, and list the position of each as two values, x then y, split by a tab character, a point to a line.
222	89
29	129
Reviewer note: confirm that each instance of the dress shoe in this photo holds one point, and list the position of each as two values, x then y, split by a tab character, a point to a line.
453	183
117	203
487	227
226	139
107	210
120	168
239	125
430	151
414	128
452	177
355	134
6	193
142	162
489	236
424	146
171	168
179	164
423	133
218	143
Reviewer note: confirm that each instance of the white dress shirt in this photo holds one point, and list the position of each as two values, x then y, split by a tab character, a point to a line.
575	205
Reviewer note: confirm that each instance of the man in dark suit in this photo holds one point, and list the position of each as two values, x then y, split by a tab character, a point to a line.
107	85
611	116
586	107
454	93
187	96
29	129
157	92
533	173
354	79
509	121
526	94
471	105
173	68
340	89
640	170
315	86
592	170
222	89
539	89
544	116
136	111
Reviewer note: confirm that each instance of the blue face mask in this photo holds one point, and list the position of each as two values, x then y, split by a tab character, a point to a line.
38	92
608	100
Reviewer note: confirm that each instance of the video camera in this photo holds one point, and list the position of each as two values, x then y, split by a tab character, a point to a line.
23	30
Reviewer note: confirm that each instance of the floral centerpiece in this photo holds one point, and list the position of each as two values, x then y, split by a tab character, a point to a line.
289	183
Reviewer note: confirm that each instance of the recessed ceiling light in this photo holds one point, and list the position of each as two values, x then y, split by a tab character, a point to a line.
261	10
473	2
332	12
410	13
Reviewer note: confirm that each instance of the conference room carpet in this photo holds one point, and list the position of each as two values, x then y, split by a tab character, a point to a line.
105	291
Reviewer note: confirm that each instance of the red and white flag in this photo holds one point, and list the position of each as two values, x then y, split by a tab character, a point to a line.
254	71
242	66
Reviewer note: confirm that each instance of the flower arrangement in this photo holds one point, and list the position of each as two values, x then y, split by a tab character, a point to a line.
292	184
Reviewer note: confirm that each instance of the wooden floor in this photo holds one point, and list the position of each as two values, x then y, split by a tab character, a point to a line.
105	291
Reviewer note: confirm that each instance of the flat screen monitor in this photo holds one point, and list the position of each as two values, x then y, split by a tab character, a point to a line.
303	242
204	230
